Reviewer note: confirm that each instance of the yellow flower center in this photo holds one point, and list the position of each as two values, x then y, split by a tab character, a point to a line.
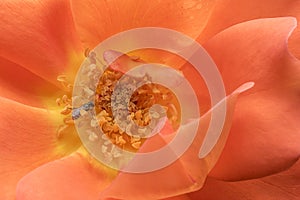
114	127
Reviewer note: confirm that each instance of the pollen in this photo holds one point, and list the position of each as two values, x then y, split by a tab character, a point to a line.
108	107
120	133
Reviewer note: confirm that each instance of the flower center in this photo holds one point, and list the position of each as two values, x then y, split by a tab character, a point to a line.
121	133
109	106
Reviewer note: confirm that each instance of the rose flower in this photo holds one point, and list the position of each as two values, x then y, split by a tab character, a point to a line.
42	46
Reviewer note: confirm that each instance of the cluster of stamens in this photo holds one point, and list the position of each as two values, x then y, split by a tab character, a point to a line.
116	127
109	106
66	103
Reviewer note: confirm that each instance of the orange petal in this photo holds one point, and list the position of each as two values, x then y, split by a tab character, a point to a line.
39	36
97	20
283	186
69	178
184	175
265	132
243	55
28	140
18	84
231	12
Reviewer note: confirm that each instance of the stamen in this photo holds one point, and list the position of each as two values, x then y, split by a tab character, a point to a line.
115	128
66	86
136	145
58	101
61	78
87	52
60	130
66	102
67	110
92	136
139	108
68	121
173	111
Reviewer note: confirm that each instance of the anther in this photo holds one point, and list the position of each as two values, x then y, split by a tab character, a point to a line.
68	121
60	130
67	110
58	101
87	52
62	78
136	145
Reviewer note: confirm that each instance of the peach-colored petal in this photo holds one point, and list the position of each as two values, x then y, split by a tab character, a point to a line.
265	134
283	186
39	35
28	139
242	55
97	20
18	84
69	178
184	175
231	12
146	185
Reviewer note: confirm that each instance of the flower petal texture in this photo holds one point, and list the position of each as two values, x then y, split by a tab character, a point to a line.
97	20
21	85
72	177
283	186
28	140
265	135
39	36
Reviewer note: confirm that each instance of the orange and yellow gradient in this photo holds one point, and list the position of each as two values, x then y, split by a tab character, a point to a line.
41	40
